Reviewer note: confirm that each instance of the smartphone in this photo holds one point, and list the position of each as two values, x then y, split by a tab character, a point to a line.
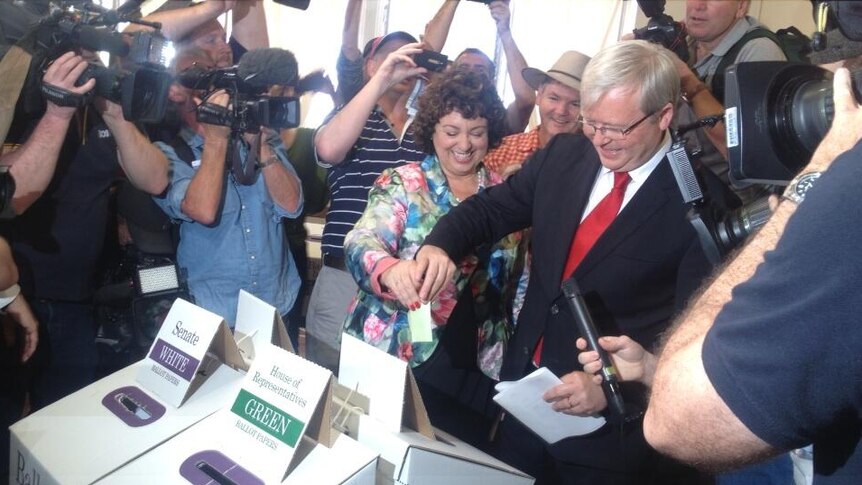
433	61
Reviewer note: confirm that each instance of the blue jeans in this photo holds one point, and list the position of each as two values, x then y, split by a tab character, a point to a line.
777	471
68	349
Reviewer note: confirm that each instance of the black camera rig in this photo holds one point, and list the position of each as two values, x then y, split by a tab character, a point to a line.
139	83
662	28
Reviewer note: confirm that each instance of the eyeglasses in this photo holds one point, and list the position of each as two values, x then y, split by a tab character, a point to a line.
611	132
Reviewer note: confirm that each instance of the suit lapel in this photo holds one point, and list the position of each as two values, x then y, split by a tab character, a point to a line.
577	182
650	198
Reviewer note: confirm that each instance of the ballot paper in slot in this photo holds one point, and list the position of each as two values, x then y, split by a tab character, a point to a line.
523	400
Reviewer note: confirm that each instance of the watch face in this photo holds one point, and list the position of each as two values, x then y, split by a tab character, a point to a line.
805	183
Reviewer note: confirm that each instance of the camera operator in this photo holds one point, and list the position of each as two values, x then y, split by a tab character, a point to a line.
714	28
197	26
65	170
231	232
766	359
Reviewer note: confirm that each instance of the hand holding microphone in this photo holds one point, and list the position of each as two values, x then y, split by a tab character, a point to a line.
610	382
632	362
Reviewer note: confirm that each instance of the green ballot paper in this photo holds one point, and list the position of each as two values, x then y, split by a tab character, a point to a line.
420	323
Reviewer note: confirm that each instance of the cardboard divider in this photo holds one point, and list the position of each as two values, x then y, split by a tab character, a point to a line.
257	324
413	451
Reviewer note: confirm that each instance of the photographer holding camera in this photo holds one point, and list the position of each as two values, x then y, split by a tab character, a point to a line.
230	215
366	136
714	28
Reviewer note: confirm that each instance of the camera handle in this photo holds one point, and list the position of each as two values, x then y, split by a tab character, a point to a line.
709	121
698	214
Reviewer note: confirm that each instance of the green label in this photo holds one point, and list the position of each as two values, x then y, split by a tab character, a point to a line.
267	417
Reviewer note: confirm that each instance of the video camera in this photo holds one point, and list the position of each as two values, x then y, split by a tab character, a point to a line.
249	108
776	114
662	28
141	86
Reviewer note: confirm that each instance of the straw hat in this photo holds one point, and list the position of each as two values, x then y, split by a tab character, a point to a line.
567	71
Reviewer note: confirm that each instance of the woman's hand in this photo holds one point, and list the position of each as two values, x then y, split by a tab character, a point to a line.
400	281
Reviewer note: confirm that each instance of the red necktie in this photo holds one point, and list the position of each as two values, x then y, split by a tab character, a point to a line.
590	230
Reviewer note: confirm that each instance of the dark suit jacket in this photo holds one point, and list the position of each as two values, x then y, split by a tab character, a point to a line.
637	275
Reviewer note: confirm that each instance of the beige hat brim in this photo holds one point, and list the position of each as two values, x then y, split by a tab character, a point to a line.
537	77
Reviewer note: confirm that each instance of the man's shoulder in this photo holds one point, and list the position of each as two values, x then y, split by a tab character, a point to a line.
513	149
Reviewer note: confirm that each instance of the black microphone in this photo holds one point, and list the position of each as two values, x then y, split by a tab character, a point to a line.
101	39
610	383
261	68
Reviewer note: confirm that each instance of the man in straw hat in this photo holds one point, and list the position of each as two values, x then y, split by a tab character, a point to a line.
558	97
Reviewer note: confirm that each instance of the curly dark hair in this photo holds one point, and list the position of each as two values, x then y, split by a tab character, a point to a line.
469	93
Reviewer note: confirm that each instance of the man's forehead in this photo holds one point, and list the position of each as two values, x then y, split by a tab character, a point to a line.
208	29
559	88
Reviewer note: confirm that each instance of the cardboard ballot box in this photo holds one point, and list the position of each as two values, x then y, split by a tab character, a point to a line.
195	456
380	406
96	430
275	426
79	439
346	462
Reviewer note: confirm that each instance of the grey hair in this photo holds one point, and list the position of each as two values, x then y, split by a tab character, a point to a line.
638	65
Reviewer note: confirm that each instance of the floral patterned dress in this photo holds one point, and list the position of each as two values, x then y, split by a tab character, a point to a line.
403	206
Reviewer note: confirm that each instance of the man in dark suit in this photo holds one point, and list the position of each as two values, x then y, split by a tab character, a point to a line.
604	208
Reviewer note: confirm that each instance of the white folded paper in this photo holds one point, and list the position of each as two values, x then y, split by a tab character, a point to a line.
523	400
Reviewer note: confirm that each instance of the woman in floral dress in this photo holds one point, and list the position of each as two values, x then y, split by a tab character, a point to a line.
460	118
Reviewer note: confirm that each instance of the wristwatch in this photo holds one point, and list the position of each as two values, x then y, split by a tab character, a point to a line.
800	185
269	161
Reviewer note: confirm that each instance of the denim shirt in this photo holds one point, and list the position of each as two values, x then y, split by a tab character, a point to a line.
245	249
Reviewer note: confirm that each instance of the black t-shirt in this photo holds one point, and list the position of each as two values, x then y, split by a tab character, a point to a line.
58	241
785	353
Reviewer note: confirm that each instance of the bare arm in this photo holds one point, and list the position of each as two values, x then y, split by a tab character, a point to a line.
8	269
249	24
518	113
437	30
334	140
350	32
32	165
283	186
178	23
203	196
686	417
144	164
21	314
703	104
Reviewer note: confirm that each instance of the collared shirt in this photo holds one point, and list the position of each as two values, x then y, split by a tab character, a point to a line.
760	49
376	149
245	249
605	181
513	150
404	205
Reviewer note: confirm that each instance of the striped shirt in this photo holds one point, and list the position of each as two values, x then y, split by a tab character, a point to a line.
376	149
